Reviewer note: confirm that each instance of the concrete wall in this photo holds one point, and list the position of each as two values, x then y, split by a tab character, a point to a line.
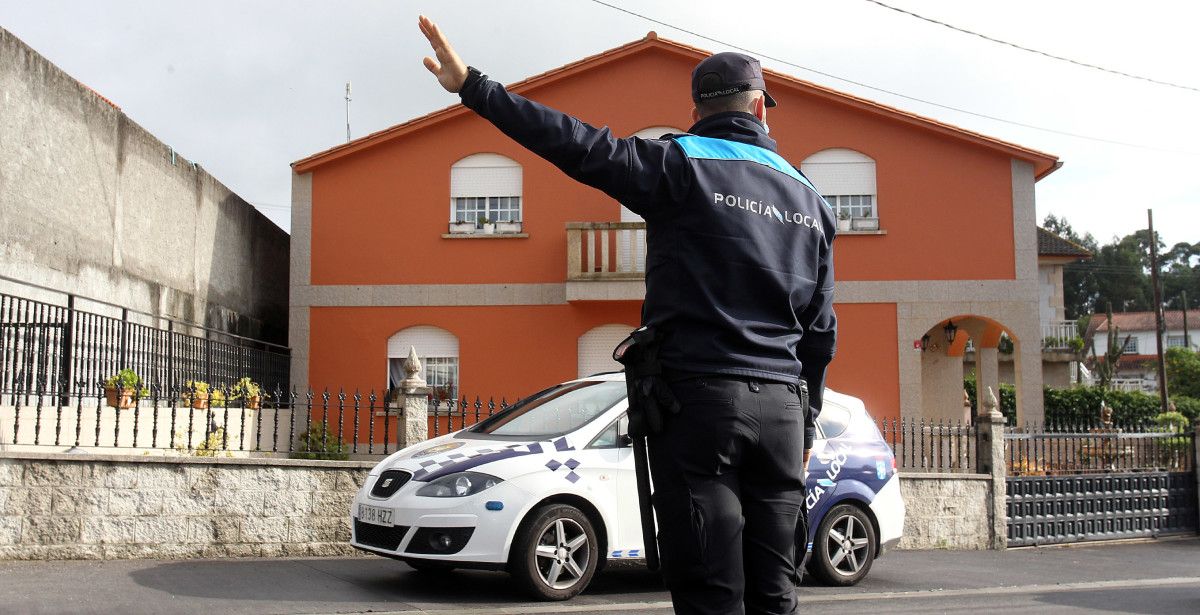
93	204
55	506
947	511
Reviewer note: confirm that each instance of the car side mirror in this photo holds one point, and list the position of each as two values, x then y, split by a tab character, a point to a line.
625	441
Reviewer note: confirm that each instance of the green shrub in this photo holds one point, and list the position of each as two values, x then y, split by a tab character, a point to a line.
1187	406
1080	405
1008	398
320	441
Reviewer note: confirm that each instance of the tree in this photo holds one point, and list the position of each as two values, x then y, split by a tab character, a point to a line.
1119	272
1183	372
1080	288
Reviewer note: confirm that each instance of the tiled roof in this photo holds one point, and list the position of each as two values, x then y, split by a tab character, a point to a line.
1044	163
1144	321
1050	244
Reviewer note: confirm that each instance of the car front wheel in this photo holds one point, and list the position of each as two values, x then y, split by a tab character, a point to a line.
844	546
555	554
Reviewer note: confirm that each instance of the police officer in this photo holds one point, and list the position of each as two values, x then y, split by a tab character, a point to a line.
739	292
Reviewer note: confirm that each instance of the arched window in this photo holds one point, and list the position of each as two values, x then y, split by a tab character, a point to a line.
596	347
846	179
485	186
437	350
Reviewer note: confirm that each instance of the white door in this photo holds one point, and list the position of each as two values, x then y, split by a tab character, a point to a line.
596	348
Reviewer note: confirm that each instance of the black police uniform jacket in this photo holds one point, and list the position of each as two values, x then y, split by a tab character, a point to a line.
739	267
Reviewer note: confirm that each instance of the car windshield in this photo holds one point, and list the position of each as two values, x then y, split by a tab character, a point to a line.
555	412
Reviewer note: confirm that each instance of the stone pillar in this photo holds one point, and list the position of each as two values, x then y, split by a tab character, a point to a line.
987	373
991	461
414	421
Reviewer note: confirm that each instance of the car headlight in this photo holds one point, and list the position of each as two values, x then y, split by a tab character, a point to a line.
459	484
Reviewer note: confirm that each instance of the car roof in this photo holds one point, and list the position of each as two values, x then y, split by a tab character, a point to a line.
841	399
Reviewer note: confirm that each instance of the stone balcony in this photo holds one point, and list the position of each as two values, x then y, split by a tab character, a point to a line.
606	261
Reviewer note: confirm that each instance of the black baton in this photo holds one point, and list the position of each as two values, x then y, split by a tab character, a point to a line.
641	470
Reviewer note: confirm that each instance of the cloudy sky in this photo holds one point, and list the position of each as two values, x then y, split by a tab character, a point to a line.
244	88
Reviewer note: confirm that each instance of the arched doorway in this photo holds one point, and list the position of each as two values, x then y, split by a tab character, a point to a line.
965	344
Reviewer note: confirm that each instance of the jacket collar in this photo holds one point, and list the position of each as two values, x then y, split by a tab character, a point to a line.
735	126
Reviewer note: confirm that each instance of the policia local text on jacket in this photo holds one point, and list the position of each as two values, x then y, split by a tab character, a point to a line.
739	275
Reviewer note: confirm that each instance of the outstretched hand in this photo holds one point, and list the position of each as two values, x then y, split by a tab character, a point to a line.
449	69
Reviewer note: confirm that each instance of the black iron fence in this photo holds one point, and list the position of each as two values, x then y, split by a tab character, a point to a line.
445	414
52	348
228	421
1054	450
925	445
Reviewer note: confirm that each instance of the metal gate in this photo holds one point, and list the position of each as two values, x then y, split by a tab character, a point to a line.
1099	484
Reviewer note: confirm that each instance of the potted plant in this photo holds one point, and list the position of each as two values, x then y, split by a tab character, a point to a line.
489	228
196	394
249	391
843	219
513	226
462	227
123	389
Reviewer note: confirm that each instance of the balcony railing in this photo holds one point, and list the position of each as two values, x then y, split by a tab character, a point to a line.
606	250
1058	335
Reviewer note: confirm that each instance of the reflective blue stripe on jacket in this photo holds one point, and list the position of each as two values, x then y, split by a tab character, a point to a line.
739	266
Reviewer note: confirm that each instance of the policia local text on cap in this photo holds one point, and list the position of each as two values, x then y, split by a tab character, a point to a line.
738	314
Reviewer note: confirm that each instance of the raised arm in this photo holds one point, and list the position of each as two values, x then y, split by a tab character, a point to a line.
637	172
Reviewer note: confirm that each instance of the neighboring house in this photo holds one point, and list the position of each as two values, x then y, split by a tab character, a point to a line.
93	205
1137	369
1061	340
390	248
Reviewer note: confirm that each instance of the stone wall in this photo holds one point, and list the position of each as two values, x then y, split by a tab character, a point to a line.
947	511
59	506
96	206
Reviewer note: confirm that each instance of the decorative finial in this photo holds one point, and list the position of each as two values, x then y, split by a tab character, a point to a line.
992	405
412	369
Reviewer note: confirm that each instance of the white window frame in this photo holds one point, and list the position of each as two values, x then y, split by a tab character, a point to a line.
1131	346
858	197
496	198
1176	341
437	350
856	205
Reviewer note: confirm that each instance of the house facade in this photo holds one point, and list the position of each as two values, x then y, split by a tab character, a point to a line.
1137	369
507	276
1062	342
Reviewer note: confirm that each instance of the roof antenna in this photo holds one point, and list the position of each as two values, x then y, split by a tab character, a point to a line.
347	112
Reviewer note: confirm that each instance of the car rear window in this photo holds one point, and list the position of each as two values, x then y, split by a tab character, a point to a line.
555	412
833	420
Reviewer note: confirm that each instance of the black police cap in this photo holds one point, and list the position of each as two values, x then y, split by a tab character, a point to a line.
726	73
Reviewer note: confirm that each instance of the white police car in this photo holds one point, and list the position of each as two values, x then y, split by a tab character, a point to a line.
546	491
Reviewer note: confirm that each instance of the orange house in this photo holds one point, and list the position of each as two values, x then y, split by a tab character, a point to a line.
506	276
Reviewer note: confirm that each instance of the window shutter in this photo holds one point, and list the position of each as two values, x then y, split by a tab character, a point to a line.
840	171
429	342
485	175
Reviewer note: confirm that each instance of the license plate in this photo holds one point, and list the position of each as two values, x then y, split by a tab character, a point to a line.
375	515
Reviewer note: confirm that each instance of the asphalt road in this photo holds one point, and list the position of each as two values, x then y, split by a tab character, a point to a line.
1149	577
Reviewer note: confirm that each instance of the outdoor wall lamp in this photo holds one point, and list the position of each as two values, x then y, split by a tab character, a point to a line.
924	342
951	331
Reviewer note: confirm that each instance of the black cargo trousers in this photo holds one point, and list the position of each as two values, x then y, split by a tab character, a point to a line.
728	474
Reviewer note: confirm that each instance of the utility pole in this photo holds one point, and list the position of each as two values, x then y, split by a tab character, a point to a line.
1158	312
347	112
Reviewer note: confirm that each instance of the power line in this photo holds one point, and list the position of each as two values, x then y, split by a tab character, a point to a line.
1034	51
892	92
